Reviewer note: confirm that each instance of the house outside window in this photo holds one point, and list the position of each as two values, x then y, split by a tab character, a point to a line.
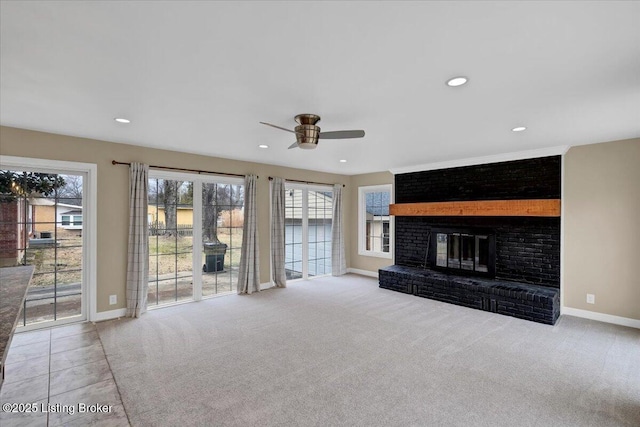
69	216
375	228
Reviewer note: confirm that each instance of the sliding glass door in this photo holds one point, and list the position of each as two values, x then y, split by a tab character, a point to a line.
42	225
195	236
308	217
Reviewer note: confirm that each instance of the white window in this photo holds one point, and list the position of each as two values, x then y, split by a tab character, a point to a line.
375	228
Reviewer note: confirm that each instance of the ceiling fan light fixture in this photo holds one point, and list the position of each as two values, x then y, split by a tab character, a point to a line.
122	120
308	145
518	129
457	81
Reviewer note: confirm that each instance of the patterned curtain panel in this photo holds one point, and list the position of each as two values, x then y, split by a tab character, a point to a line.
279	275
249	274
138	251
338	256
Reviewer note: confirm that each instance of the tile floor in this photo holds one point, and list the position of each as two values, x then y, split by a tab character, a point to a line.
58	370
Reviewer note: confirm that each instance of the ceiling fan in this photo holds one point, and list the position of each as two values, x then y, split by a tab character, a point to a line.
307	133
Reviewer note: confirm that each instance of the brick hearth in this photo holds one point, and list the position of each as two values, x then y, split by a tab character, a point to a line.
530	302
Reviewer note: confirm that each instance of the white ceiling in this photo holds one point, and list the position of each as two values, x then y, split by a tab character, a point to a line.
199	76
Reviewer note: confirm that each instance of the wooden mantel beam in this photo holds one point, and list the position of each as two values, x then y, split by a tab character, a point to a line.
536	207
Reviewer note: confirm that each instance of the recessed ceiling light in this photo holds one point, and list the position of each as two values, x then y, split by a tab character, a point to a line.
343	161
457	81
122	120
518	129
263	146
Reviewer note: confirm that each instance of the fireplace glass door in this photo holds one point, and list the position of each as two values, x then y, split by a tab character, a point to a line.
463	251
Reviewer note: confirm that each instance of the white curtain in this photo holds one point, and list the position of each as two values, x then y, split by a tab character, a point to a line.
138	250
249	274
338	256
279	275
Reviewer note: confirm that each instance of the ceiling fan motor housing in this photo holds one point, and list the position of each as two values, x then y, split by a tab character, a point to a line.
307	119
307	135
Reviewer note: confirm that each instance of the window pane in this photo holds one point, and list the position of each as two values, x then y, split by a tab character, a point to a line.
222	225
293	233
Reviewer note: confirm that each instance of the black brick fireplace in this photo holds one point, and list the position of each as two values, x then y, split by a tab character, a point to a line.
505	264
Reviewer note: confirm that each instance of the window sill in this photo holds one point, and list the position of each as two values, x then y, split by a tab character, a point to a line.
376	254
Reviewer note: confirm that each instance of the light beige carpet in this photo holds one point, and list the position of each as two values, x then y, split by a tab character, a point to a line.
341	351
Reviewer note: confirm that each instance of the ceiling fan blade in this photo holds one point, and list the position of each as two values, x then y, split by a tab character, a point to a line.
279	127
294	145
342	134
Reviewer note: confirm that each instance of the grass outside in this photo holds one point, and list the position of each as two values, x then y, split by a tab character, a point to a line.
173	254
61	263
168	254
171	264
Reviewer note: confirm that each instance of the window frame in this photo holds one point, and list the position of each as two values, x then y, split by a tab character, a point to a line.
362	221
89	171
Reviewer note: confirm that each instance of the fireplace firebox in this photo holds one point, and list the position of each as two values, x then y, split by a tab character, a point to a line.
463	251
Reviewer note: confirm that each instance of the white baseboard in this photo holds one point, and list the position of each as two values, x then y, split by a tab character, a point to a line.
108	315
363	272
601	317
121	312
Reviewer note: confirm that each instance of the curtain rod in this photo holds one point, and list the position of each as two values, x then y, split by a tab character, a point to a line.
305	182
113	162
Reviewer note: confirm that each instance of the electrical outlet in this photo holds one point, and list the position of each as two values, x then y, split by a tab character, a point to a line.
113	299
591	299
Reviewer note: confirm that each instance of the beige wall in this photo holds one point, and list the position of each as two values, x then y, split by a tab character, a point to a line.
113	192
602	227
361	262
